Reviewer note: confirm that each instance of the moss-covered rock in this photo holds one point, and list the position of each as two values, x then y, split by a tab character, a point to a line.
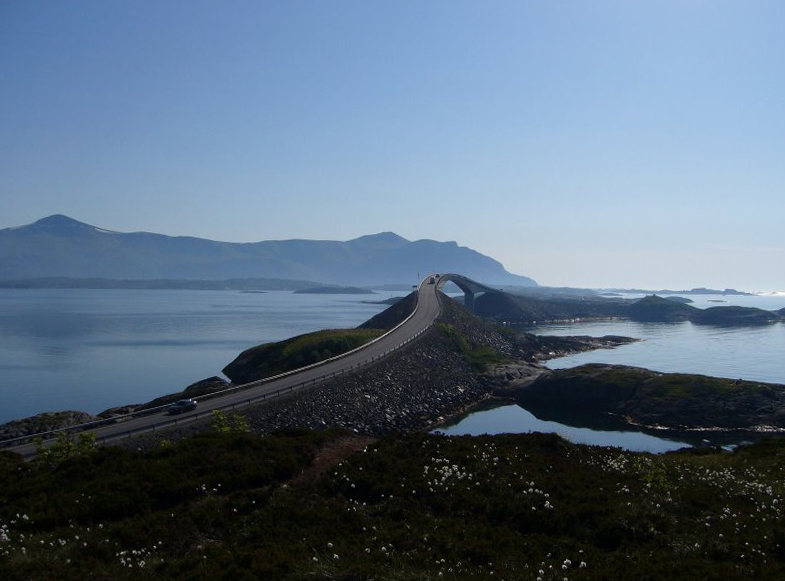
273	358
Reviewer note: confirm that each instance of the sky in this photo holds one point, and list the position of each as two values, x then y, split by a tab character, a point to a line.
611	143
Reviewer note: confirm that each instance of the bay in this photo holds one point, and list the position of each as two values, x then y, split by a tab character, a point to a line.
750	352
88	350
513	419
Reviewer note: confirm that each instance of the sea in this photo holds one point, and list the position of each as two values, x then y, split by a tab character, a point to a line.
754	353
89	350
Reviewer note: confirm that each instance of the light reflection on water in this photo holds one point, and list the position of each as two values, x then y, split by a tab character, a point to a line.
85	349
513	419
755	353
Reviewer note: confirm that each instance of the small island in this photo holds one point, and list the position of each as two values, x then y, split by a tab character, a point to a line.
645	398
335	290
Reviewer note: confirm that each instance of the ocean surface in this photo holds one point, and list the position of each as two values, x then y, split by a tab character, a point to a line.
89	350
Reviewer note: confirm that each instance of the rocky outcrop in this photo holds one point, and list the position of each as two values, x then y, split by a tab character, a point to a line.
118	411
271	359
200	388
732	315
654	308
507	378
43	423
391	317
677	401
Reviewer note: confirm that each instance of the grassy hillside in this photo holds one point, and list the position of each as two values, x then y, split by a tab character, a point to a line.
298	505
274	358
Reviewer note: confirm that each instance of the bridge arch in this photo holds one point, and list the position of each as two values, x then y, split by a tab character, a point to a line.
470	288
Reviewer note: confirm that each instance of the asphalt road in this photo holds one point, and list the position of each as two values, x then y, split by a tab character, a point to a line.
423	317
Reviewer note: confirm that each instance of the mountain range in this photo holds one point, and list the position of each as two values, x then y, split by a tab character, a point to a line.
59	246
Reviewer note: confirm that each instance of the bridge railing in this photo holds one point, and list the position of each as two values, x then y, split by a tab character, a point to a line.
250	385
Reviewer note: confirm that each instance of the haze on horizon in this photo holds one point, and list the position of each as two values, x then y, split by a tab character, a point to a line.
593	144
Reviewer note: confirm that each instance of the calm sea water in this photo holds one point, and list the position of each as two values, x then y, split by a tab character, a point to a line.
513	419
93	349
755	353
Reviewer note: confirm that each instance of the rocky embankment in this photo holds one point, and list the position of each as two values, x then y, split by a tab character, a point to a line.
676	401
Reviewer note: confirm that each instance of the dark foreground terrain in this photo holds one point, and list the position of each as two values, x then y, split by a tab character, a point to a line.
331	505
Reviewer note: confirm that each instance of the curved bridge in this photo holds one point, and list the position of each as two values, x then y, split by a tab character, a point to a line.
469	287
422	318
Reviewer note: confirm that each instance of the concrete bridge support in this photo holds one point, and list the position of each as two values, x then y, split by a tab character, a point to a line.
468	300
469	287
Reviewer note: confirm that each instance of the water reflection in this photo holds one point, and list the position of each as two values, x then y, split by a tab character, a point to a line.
513	419
753	353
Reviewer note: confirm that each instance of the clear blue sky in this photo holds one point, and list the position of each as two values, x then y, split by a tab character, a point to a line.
583	143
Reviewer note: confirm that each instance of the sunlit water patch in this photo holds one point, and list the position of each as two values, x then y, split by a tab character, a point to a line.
89	350
754	353
513	419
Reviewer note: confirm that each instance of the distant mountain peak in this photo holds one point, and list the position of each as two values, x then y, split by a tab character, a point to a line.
62	224
59	220
386	239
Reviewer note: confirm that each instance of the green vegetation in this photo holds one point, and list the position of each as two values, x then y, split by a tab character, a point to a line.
233	424
274	358
683	385
677	400
65	447
477	356
235	506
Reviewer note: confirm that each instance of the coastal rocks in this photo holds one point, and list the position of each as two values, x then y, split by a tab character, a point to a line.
541	347
118	411
200	388
508	378
205	386
42	423
197	389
